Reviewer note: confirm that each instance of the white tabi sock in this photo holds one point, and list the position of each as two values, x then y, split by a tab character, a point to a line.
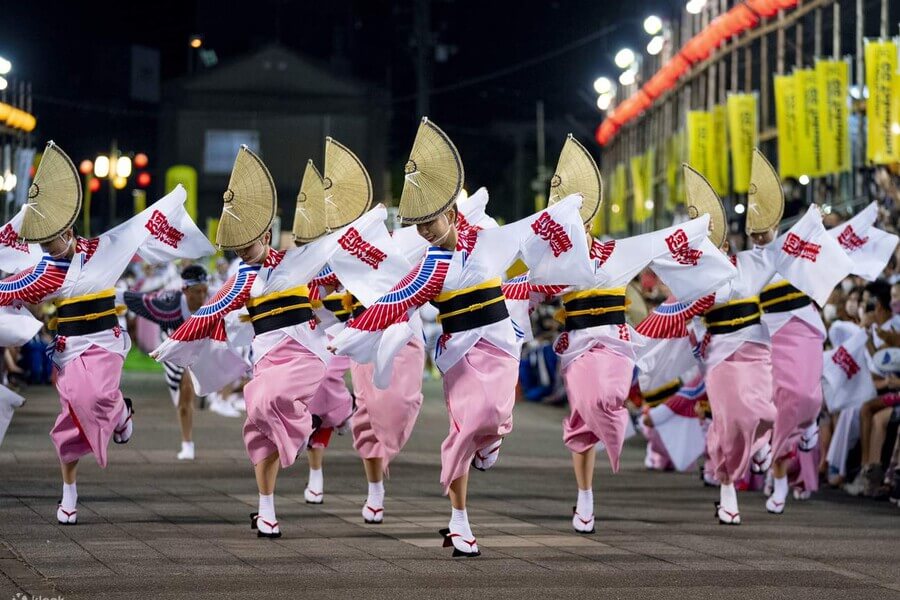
187	446
728	497
376	494
459	523
267	507
585	505
316	480
70	496
780	489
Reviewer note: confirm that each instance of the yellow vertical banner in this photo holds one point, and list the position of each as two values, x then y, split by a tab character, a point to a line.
638	196
598	225
833	80
743	129
212	226
883	104
786	122
186	175
718	150
673	166
617	217
699	132
649	176
809	138
140	200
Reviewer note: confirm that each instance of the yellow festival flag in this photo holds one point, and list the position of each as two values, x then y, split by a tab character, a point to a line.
699	127
883	105
786	121
675	173
617	218
642	185
809	135
598	225
743	130
833	80
638	180
673	166
649	176
718	150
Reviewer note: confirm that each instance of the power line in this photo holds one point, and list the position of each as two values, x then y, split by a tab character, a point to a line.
517	66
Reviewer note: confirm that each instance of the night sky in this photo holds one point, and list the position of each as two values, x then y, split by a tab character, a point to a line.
76	54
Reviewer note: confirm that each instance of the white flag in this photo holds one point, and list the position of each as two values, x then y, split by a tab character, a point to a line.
849	382
810	259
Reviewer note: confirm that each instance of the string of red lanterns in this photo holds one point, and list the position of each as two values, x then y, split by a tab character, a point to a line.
741	18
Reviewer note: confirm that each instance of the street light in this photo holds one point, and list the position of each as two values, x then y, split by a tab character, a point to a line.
101	166
5	66
653	24
604	101
602	85
627	77
655	45
3	83
695	6
624	58
196	41
123	167
739	209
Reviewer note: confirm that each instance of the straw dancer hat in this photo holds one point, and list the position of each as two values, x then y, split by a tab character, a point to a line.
765	198
433	176
309	216
576	172
250	202
54	197
701	199
348	188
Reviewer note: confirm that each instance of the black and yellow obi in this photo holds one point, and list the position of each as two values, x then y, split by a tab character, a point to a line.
343	306
280	309
472	307
593	308
659	395
84	315
782	297
733	316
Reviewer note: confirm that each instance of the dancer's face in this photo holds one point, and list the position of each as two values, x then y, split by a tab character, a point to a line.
440	231
196	295
764	238
62	246
255	253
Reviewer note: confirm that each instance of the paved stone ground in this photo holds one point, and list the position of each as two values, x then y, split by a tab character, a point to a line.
150	526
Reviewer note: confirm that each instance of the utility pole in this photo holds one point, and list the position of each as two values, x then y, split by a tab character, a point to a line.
424	44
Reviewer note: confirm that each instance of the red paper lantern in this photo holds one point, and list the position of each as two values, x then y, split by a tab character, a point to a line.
94	185
143	179
140	160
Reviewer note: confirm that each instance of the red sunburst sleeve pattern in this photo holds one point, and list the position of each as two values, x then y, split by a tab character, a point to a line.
669	319
208	322
32	285
423	283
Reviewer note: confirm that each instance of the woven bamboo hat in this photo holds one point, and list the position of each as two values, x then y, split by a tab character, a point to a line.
576	172
701	199
765	198
250	202
348	189
433	175
309	216
54	198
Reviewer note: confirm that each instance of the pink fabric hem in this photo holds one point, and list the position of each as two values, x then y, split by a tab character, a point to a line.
597	384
